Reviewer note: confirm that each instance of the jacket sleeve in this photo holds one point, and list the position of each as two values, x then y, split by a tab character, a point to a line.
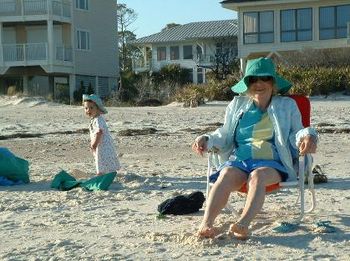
305	132
221	138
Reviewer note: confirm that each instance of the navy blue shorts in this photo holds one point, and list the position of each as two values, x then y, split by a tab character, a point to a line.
251	164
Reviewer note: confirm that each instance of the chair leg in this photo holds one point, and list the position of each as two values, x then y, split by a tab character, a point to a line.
311	187
301	186
208	175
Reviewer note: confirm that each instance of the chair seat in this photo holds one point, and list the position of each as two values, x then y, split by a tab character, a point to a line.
269	188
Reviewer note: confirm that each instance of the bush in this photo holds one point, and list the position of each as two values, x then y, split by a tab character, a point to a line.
170	78
128	91
317	80
192	95
62	93
306	81
317	72
220	89
195	94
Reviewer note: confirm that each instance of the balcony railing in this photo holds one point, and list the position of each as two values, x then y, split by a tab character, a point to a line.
35	7
34	52
141	65
207	59
24	52
201	60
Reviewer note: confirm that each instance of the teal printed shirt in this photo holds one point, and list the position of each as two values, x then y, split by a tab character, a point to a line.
255	136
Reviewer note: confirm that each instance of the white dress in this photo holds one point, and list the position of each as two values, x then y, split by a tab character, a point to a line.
106	159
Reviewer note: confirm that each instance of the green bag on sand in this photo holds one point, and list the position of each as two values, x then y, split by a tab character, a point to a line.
99	182
13	167
64	181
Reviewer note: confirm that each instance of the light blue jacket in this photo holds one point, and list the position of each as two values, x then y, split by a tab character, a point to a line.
286	120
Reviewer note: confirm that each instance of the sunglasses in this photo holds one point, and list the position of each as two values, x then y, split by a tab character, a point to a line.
254	79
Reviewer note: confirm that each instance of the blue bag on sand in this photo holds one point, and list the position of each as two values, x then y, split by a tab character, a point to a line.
64	181
12	167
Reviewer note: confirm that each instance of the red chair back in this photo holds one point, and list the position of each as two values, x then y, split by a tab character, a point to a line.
304	106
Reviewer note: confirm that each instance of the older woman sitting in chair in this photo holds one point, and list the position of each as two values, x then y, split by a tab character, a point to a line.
262	136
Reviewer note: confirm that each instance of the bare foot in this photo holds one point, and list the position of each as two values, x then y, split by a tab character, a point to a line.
206	232
239	230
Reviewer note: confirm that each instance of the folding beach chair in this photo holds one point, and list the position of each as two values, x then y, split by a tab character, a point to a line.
304	168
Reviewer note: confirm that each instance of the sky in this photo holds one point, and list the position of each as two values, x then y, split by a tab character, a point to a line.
154	15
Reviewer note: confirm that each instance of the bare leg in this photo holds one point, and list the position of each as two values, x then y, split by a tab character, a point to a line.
259	179
230	179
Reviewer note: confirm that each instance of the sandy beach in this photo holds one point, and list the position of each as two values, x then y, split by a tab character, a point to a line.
154	143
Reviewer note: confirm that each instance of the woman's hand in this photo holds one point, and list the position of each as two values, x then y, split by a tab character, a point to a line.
200	145
307	145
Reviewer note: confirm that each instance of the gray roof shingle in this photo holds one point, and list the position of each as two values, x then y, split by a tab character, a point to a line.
190	31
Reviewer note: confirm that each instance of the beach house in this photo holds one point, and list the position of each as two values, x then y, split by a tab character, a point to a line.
53	47
280	26
194	46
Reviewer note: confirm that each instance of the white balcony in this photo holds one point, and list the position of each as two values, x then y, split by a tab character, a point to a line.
34	54
205	59
19	8
140	65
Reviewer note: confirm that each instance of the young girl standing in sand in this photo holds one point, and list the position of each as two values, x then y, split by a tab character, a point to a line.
101	145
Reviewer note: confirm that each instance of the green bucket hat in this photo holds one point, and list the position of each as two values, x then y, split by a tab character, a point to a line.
261	67
94	98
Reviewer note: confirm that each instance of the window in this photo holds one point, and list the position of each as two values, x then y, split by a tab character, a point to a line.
258	27
82	4
333	21
174	53
83	40
187	49
189	75
161	53
200	75
296	25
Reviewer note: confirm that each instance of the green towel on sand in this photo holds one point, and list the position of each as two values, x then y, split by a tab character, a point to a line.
64	181
13	167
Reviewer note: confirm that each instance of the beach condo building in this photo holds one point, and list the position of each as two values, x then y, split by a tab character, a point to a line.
284	26
196	46
53	48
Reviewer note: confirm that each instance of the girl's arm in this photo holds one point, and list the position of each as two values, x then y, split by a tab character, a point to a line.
96	140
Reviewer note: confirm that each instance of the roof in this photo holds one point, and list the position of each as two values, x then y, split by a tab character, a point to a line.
190	31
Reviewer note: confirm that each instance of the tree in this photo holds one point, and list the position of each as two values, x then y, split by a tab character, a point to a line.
169	26
224	65
126	51
125	17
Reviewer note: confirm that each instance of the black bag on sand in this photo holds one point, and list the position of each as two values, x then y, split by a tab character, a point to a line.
181	205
